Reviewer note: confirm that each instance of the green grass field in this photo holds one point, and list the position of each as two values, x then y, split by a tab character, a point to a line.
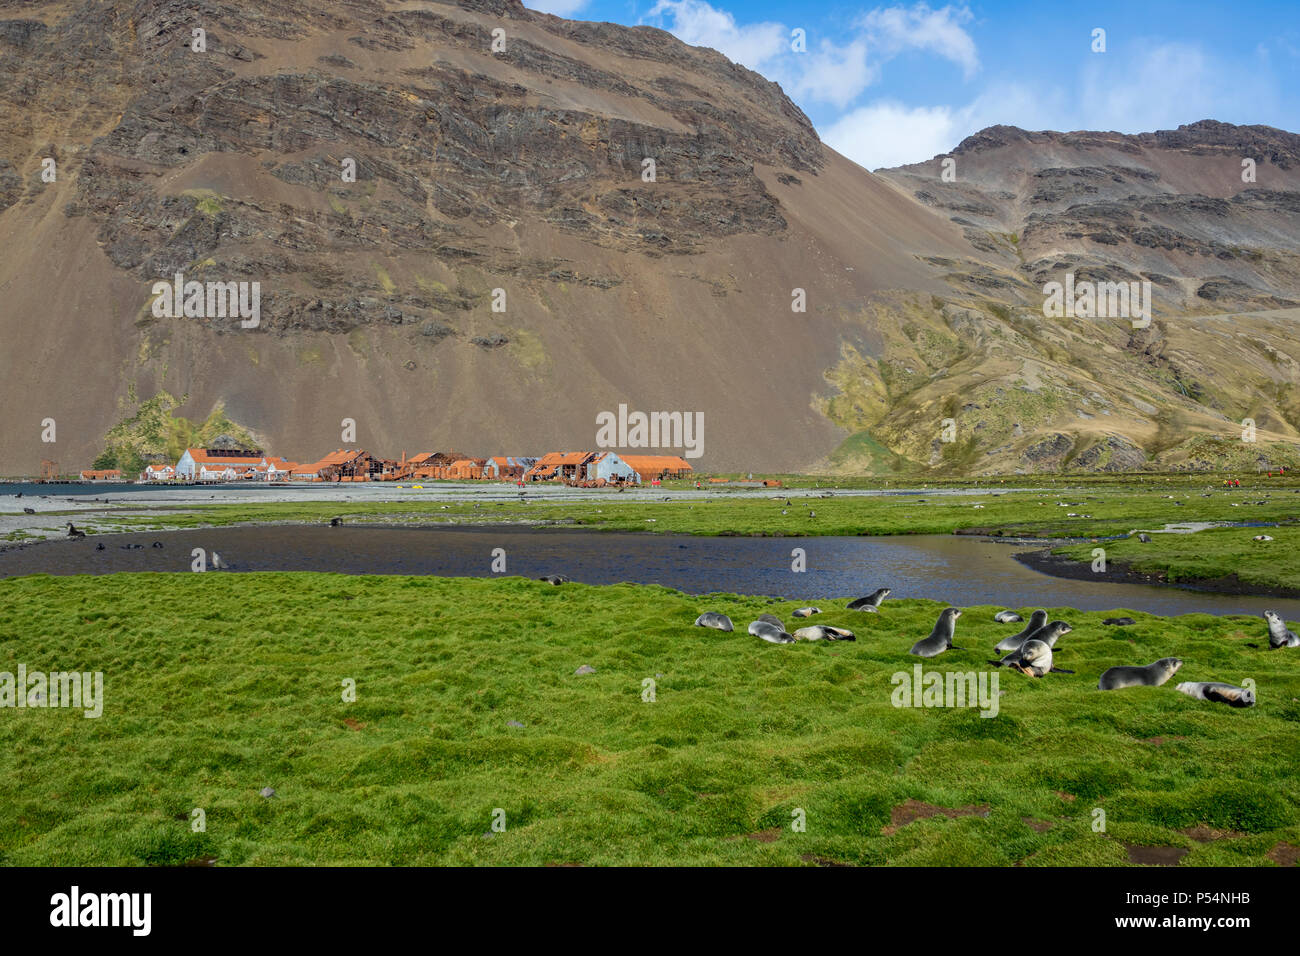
217	685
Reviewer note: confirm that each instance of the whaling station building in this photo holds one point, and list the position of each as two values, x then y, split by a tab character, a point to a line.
582	468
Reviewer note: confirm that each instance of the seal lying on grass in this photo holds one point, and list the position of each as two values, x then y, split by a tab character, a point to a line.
824	632
772	633
1219	693
1007	617
1150	675
714	619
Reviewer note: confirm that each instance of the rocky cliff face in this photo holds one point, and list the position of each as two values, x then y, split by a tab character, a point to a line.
586	215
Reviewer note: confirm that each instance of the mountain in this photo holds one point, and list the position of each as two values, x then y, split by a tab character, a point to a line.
518	177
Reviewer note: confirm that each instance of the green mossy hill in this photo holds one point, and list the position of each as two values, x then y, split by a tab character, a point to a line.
155	434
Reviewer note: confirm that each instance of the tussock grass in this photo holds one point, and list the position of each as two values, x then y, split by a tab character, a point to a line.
218	685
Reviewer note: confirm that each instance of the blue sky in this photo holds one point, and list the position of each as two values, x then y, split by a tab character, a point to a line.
900	82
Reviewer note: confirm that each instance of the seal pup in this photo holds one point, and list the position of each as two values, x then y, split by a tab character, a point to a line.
335	522
806	611
1119	621
1036	621
1150	675
29	511
1049	633
1219	693
714	619
1032	658
772	619
1278	634
772	633
556	579
73	532
824	632
1007	617
871	602
940	638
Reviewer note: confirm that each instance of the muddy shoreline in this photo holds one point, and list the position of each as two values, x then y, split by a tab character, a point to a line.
1060	566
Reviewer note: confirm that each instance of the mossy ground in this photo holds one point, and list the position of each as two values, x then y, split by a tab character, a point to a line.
218	685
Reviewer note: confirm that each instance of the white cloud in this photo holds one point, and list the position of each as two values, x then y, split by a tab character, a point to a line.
895	29
561	8
699	24
829	72
887	133
890	134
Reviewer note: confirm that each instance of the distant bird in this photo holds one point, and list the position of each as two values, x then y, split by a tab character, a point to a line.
812	514
19	495
29	511
73	532
216	561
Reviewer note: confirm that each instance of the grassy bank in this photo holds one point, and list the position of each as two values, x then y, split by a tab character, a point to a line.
1218	556
1076	512
219	685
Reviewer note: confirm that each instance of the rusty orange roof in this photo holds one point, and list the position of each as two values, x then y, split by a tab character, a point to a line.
656	463
201	457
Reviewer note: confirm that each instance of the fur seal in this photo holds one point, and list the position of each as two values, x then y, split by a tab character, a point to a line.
1119	621
772	619
1151	675
335	522
1049	633
940	638
824	632
871	602
1032	658
556	579
1278	634
806	611
769	632
73	532
1036	621
1262	537
29	511
715	620
1219	693
1007	617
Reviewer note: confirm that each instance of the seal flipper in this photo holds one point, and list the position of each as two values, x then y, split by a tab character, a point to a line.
954	647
